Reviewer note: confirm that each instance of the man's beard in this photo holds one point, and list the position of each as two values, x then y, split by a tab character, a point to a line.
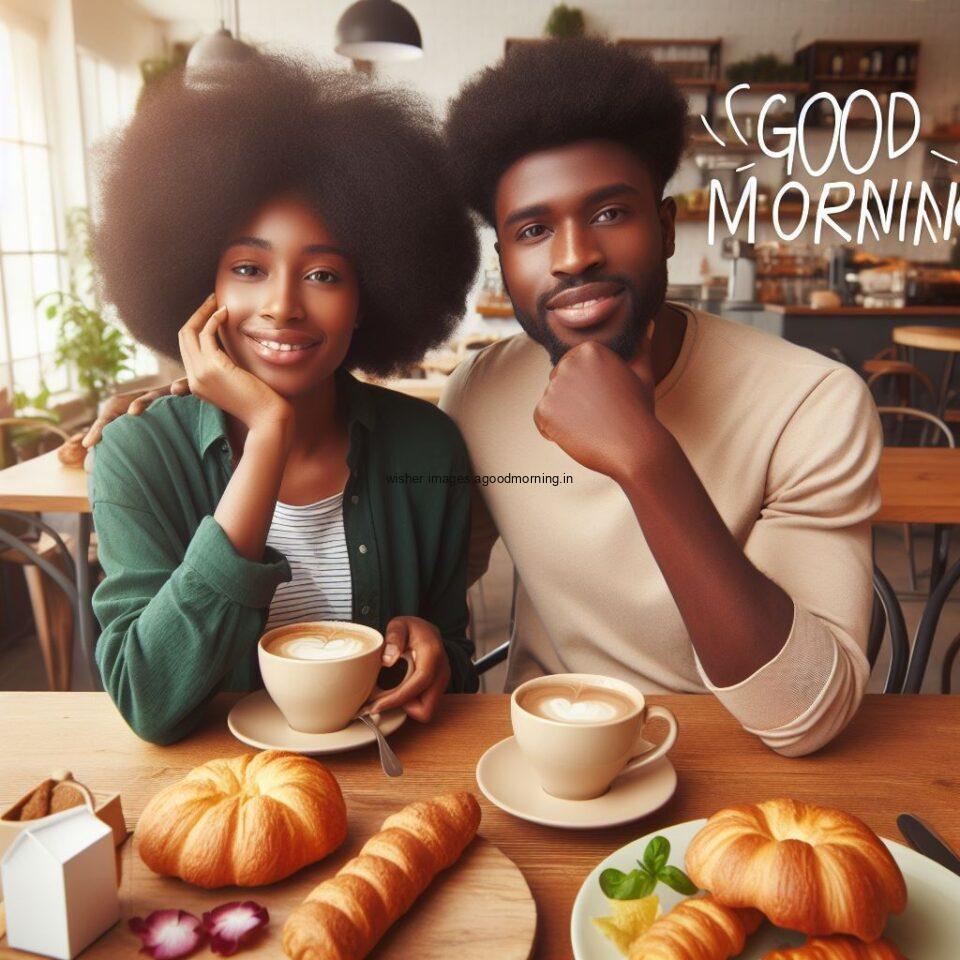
643	304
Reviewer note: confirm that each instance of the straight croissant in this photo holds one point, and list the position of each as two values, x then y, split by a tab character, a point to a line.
344	917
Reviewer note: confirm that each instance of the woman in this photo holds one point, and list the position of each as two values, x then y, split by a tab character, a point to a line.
310	216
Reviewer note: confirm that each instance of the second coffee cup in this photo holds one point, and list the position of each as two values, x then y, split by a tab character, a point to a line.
579	731
319	674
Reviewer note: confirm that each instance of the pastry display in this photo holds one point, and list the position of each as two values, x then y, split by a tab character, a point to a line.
344	917
805	867
699	928
244	821
839	948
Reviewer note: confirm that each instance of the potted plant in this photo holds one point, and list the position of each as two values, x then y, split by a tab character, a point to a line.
564	22
88	341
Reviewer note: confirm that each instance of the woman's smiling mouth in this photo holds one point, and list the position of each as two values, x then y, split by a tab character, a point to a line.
283	347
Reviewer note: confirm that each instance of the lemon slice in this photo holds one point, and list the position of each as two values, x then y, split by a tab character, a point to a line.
629	920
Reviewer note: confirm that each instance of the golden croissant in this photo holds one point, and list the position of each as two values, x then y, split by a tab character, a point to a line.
696	929
839	948
243	821
344	917
806	867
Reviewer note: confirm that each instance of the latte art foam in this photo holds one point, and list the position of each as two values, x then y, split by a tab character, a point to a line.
576	703
320	648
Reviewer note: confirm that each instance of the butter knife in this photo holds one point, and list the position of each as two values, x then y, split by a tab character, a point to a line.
922	838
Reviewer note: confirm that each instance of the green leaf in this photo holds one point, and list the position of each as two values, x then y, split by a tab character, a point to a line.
656	855
677	880
618	885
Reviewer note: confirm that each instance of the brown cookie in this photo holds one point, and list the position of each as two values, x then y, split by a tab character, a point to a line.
63	797
38	803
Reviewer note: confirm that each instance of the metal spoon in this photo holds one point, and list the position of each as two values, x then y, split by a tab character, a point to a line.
390	762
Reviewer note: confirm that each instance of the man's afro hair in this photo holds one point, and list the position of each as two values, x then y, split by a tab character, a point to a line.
554	92
196	162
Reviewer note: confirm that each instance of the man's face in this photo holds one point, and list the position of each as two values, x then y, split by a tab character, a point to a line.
583	240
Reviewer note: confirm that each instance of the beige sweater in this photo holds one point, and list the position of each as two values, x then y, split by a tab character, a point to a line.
786	444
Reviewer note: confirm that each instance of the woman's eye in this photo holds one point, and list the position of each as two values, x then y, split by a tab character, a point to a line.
323	276
246	270
610	215
533	232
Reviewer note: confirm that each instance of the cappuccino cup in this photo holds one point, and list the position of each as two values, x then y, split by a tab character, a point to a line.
579	732
320	674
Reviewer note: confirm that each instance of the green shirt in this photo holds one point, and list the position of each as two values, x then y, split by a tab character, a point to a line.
182	611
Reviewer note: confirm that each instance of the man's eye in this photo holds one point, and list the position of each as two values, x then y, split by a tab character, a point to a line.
246	270
323	276
532	232
610	215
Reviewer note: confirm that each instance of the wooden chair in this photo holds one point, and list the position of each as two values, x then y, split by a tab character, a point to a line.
886	369
52	612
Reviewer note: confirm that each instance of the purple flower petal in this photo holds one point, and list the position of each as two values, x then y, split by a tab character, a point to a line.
168	934
233	924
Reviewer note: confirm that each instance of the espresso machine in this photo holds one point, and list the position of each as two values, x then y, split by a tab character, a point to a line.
742	282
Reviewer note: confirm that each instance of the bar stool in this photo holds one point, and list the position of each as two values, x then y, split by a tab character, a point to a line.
941	339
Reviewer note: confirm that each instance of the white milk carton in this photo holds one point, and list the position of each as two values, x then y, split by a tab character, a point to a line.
60	884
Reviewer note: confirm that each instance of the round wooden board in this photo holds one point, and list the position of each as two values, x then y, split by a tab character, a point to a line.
478	909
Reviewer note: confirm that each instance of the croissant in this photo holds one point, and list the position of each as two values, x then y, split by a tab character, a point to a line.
344	917
839	948
806	867
243	821
696	929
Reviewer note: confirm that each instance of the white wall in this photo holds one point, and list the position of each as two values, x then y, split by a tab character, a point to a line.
462	36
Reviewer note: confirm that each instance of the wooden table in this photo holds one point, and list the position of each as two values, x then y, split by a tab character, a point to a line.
45	485
919	485
922	485
900	754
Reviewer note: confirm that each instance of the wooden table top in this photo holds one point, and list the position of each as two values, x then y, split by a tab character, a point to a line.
44	483
946	339
919	485
900	754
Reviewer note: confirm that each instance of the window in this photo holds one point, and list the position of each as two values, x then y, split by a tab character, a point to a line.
108	99
32	261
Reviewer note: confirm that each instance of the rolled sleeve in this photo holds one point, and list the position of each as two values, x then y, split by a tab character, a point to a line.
214	560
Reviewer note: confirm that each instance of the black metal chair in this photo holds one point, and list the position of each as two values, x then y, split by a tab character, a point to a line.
946	669
887	617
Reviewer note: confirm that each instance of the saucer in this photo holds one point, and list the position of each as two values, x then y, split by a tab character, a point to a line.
257	721
508	781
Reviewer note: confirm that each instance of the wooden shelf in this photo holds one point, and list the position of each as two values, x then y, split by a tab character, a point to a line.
864	78
767	86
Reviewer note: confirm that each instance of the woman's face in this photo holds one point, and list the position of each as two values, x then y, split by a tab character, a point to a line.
291	296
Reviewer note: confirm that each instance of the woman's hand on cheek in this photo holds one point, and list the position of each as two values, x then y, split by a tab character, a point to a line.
214	377
427	679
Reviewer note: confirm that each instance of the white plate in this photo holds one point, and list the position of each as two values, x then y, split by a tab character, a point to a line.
508	781
929	929
257	721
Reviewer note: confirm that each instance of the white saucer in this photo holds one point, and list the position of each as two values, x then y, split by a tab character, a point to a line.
256	721
508	781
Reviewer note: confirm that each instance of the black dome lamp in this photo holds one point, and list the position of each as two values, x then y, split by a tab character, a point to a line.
378	31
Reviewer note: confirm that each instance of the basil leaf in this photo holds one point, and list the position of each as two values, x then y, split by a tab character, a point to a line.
677	880
618	885
656	855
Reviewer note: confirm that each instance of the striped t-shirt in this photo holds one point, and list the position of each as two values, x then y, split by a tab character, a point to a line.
312	539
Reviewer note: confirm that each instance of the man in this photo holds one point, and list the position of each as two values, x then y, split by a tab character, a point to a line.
715	535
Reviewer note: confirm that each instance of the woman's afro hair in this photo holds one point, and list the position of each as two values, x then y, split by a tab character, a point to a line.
196	162
554	92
